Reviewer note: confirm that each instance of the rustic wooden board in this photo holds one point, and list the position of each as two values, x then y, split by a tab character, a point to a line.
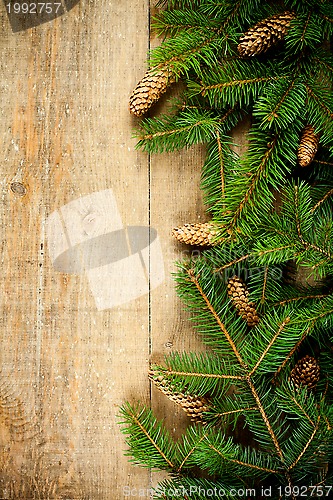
66	366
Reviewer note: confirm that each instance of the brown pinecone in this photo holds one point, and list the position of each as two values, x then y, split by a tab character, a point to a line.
264	34
238	294
306	372
308	146
237	290
194	406
249	313
149	90
200	234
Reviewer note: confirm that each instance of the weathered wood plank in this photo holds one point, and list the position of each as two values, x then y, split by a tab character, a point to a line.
66	366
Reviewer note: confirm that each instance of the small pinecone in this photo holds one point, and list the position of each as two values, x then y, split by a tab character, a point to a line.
308	146
149	90
201	234
306	372
194	406
238	294
264	34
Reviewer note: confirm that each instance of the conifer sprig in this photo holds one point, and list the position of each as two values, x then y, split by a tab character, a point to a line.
235	82
170	22
190	126
198	374
305	32
280	106
220	162
189	51
148	439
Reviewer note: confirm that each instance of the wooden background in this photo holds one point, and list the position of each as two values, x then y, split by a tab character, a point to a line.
65	367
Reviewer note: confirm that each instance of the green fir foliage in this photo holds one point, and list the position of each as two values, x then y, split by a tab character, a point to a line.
273	222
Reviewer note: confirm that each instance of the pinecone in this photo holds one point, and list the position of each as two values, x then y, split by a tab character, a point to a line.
194	406
264	34
305	372
148	91
308	146
201	234
238	294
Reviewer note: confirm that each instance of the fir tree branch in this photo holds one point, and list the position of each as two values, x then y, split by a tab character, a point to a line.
328	66
195	281
240	410
232	263
306	446
195	488
178	4
203	375
270	344
274	250
234	91
257	253
169	133
305	243
149	442
264	167
196	374
305	32
188	50
236	83
153	442
300	297
231	10
265	418
320	111
326	109
253	182
219	163
282	104
190	453
327	18
303	410
322	200
244	464
318	316
330	164
221	455
329	427
170	22
293	350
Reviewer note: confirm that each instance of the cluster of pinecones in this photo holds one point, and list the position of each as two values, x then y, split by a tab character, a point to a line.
194	406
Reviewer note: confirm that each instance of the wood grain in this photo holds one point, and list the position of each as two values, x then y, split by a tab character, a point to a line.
66	366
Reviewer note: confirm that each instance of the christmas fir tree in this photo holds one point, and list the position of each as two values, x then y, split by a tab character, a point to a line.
267	370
